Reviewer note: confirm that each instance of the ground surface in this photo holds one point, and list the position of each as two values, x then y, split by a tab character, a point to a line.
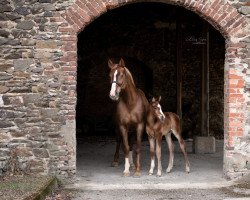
94	168
22	187
96	179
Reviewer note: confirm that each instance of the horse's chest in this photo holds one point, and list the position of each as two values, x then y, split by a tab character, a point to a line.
129	116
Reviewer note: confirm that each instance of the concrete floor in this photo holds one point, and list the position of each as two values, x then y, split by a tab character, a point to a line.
94	171
97	180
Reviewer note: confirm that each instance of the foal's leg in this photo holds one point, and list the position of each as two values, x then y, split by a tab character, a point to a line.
183	148
116	156
158	153
171	152
124	133
152	155
140	128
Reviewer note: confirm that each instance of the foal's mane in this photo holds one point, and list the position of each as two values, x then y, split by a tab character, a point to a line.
129	75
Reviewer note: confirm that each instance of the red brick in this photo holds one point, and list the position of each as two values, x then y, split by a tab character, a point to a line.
65	29
223	16
215	3
92	9
68	68
236	95
233	76
241	100
241	83
69	38
68	19
231	91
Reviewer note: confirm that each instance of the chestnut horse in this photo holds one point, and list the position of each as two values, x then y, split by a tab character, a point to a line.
131	110
161	124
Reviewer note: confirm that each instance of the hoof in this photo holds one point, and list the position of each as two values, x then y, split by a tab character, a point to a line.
126	174
187	170
150	173
114	164
137	175
168	170
158	175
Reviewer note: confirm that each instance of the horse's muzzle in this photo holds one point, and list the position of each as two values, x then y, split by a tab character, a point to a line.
162	118
114	98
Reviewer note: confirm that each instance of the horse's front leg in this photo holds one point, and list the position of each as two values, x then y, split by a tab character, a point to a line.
158	153
124	134
140	128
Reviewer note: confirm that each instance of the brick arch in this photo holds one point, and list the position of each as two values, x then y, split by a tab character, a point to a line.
223	16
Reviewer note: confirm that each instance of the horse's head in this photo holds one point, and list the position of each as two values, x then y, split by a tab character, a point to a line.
155	103
117	78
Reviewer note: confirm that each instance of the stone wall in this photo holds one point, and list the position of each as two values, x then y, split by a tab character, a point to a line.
38	55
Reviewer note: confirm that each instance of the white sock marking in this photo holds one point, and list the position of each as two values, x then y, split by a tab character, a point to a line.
113	86
152	166
127	165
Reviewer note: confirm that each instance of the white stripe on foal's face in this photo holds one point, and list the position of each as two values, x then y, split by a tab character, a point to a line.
162	114
113	86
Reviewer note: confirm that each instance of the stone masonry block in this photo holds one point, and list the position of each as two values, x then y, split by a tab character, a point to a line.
204	145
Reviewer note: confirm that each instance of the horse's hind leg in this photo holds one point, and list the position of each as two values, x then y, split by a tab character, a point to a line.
152	155
171	152
131	141
158	153
183	148
116	156
140	128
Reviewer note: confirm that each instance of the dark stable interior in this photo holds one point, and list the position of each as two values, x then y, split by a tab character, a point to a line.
145	36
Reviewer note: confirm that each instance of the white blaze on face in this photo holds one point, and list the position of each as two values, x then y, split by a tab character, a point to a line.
159	106
113	86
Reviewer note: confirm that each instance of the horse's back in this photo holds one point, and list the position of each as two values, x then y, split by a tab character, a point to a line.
173	119
143	97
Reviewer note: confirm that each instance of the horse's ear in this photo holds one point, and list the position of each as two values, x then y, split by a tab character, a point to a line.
159	99
122	63
110	64
153	99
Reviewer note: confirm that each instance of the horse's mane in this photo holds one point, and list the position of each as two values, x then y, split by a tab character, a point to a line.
129	76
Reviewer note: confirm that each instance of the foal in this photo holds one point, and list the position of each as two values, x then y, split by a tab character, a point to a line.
161	124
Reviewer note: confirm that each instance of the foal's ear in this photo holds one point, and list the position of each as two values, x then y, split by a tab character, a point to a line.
159	99
153	99
122	63
110	64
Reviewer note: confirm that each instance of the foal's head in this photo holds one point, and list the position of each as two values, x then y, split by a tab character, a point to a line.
117	78
155	103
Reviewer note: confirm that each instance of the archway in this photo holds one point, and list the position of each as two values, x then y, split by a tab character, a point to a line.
231	30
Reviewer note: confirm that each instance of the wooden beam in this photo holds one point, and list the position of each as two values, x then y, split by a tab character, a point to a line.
205	82
179	64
